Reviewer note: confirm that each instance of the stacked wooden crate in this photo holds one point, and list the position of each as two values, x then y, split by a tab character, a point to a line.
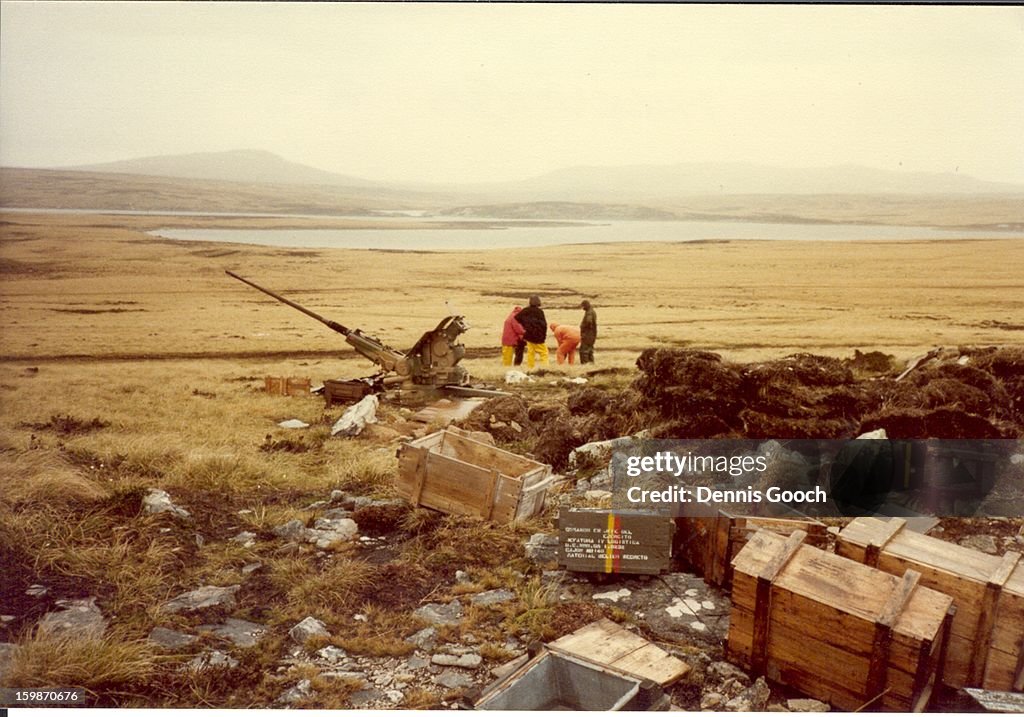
708	544
988	630
835	629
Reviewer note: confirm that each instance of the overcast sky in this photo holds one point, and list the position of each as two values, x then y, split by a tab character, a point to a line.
469	92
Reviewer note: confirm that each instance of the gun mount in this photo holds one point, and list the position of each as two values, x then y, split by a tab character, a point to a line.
432	361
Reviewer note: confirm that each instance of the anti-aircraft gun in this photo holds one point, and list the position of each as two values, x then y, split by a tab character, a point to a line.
432	362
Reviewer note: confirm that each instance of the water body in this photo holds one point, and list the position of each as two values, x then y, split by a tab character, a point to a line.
512	236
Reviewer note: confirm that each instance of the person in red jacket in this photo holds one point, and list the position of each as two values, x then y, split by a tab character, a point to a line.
512	341
568	338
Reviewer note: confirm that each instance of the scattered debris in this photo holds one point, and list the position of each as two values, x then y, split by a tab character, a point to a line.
328	531
513	377
158	501
211	660
356	417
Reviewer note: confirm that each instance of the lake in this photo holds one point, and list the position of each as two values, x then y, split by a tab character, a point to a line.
512	236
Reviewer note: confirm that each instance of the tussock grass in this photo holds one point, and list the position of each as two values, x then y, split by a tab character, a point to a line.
109	668
381	634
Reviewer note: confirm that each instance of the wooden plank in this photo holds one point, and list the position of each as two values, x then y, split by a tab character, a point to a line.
762	600
986	621
882	538
883	633
609	644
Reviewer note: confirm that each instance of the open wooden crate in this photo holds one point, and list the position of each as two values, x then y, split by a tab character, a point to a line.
451	472
835	629
709	544
985	648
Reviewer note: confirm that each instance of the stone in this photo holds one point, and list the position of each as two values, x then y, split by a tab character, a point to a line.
327	531
711	701
331	653
293	423
753	699
462	577
542	548
725	670
807	705
416	663
80	618
337	513
359	677
440	614
210	660
984	543
241	633
361	698
602	480
309	627
493	597
598	495
250	568
158	501
394	696
37	590
302	690
171	639
453	680
292	530
201	598
582	485
470	661
613	595
444	660
7	652
245	539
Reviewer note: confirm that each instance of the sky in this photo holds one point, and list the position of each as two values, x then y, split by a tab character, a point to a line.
470	92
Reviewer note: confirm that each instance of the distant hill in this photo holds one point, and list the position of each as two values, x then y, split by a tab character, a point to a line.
665	181
243	165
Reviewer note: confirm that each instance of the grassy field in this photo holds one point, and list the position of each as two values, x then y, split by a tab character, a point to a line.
131	363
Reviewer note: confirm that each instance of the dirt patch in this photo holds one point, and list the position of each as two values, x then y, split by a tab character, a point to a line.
376	520
506	418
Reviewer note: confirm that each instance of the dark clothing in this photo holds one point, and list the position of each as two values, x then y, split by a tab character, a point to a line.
536	324
588	335
520	348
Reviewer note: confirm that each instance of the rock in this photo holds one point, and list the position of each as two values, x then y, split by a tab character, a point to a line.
292	530
875	435
462	577
753	699
1017	458
513	377
394	696
240	632
80	618
302	690
598	449
337	513
361	698
582	485
355	418
724	670
293	423
250	568
612	595
493	597
326	531
209	660
711	701
331	653
469	661
453	680
7	653
309	627
807	705
316	505
776	707
340	496
598	495
201	598
542	548
158	501
439	614
425	639
984	543
171	639
417	663
37	590
359	677
245	539
602	480
444	660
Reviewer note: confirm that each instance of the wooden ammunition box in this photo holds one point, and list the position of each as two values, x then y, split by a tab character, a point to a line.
985	647
835	629
621	541
453	473
350	391
709	544
284	386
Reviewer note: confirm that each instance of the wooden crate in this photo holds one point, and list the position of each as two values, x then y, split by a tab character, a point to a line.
835	629
985	648
621	541
350	391
451	472
709	544
285	386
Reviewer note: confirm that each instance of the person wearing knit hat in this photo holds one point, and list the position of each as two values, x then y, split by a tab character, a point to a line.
535	331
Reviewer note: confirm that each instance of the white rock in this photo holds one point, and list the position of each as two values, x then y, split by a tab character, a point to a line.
877	434
308	628
158	501
613	596
293	423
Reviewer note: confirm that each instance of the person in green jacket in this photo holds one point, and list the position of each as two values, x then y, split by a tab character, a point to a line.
588	332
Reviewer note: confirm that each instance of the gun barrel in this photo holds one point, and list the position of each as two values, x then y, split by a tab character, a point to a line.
344	331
